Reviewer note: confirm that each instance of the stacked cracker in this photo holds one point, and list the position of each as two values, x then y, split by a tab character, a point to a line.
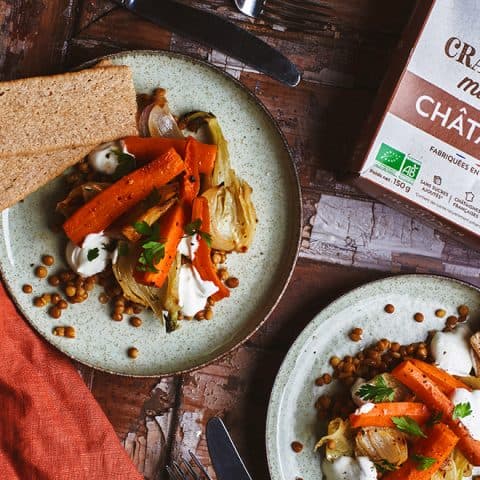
50	123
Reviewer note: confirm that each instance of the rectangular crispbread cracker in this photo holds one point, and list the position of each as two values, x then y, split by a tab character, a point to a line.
27	174
60	112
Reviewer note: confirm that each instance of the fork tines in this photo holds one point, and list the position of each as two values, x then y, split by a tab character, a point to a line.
184	470
297	14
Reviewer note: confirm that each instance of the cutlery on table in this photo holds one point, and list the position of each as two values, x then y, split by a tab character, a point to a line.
218	33
303	15
188	470
224	455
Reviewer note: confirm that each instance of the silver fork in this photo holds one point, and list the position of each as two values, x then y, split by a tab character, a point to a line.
304	15
185	470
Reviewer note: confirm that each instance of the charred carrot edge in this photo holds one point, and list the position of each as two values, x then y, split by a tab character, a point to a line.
170	233
145	149
97	214
444	381
381	414
202	261
190	185
440	443
437	401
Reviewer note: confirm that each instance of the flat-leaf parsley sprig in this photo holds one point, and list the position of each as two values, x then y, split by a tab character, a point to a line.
152	249
193	228
378	392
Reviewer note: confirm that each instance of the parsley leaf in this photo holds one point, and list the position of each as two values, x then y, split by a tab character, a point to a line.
462	410
379	392
423	463
92	254
126	164
143	228
384	466
153	250
193	228
435	418
408	425
152	253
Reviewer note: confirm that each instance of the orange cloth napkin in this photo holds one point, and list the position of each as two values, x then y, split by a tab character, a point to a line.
51	427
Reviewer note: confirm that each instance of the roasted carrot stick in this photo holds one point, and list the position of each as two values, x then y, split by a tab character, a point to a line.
190	185
444	381
170	233
202	261
437	401
146	149
381	414
440	443
424	388
96	215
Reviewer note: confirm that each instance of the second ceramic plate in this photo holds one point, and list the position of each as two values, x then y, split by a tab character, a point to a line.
291	413
259	155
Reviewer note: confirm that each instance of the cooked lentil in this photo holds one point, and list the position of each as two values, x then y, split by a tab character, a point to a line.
419	317
41	272
27	288
48	260
70	332
59	331
232	282
55	312
136	321
132	352
297	447
389	308
54	280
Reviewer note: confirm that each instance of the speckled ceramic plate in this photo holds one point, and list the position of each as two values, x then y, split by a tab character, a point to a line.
259	154
291	413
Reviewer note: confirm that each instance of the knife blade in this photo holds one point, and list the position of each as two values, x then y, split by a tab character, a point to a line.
225	458
218	33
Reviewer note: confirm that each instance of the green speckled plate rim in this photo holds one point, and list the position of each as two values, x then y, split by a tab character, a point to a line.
292	254
284	372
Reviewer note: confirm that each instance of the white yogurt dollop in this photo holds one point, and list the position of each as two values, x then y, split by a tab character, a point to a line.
193	292
451	351
104	158
348	468
94	247
188	246
472	421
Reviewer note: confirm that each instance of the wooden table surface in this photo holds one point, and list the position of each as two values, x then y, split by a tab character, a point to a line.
348	239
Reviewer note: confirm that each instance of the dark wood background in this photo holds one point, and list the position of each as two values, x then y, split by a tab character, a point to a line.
343	64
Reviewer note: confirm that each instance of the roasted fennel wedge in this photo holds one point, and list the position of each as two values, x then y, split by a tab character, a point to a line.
233	217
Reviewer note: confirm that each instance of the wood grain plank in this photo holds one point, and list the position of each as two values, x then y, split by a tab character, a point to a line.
91	11
122	28
123	399
34	36
368	15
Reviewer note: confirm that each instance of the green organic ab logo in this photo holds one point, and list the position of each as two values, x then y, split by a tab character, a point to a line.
410	169
397	163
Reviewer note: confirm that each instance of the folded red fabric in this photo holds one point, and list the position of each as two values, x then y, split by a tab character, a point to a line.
51	427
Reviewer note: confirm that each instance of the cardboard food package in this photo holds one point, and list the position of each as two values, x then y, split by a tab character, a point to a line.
420	150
